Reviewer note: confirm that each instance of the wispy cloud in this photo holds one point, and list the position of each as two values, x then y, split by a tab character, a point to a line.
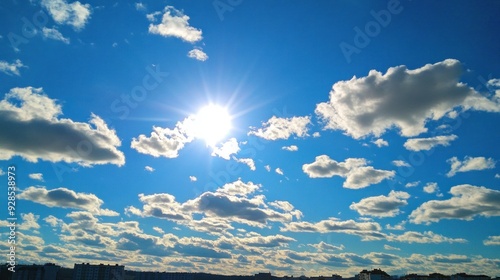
469	164
11	68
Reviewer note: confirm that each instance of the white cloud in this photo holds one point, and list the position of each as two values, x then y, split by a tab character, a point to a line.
291	148
431	188
367	230
399	226
279	171
492	241
2	172
357	174
174	23
11	68
400	163
497	176
197	54
75	14
467	202
381	206
227	149
248	161
380	142
149	168
419	144
65	198
268	168
165	142
233	202
282	128
323	246
140	6
401	98
25	112
54	34
387	247
469	164
412	184
193	179
36	176
426	237
159	230
316	134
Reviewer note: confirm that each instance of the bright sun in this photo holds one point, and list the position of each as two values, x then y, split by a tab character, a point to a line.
212	124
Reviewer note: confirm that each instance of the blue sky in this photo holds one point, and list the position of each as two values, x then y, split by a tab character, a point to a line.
357	134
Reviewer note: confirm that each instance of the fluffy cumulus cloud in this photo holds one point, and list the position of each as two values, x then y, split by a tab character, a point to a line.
54	34
425	144
11	68
282	128
431	187
197	54
469	164
66	198
174	23
234	202
165	142
467	202
401	98
227	149
357	174
400	163
381	206
380	143
25	112
74	14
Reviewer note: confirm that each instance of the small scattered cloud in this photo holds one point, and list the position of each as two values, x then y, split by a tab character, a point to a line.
400	98
279	171
431	187
425	144
358	175
11	68
197	54
466	203
268	168
36	176
316	134
74	14
2	172
149	168
140	6
174	23
193	179
54	34
380	143
291	148
66	198
400	163
248	161
381	206
387	247
412	184
469	164
497	176
492	241
227	149
282	128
